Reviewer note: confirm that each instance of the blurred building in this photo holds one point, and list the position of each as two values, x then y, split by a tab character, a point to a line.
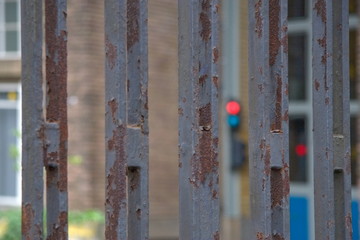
86	112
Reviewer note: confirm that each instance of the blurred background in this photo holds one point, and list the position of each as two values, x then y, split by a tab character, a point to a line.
86	119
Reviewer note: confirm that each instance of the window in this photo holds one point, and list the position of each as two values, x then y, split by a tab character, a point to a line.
9	145
9	28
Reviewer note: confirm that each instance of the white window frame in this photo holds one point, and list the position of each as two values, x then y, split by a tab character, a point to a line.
4	54
7	104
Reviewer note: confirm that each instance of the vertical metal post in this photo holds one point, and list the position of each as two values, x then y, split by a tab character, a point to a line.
115	120
198	119
126	68
32	119
56	131
137	119
268	129
331	111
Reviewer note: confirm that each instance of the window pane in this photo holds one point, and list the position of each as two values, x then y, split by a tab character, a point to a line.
296	8
352	6
354	152
11	41
11	13
8	152
297	66
353	70
298	151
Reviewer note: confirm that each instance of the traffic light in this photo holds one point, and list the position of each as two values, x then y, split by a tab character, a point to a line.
233	110
237	146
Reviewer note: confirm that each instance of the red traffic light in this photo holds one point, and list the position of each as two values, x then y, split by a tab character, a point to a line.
301	150
233	107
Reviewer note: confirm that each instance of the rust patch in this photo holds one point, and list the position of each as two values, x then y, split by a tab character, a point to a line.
322	41
217	235
133	14
277	236
286	116
56	84
286	91
258	18
320	7
202	79
205	115
116	184
180	111
113	108
261	236
324	59
267	161
27	214
110	53
284	39
215	80
260	87
217	7
205	32
274	29
214	194
286	180
133	178
277	184
205	161
59	232
327	100
276	126
348	222
317	85
216	54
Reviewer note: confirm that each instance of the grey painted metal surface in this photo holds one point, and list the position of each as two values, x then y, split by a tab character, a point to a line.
32	119
126	69
198	119
268	139
56	131
332	167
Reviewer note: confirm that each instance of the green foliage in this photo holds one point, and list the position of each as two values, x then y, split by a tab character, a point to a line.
75	159
12	220
82	217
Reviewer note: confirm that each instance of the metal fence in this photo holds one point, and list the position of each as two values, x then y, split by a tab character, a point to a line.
126	68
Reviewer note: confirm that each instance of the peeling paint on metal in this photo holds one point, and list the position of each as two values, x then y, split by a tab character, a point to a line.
110	53
259	18
274	29
133	12
320	7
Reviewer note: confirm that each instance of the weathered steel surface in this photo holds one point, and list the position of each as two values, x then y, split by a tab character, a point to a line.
56	132
126	68
198	118
32	119
268	139
137	119
331	112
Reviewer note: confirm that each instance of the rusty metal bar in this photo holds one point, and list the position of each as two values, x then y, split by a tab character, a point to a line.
127	204
56	131
198	119
268	139
331	110
116	119
137	150
32	119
